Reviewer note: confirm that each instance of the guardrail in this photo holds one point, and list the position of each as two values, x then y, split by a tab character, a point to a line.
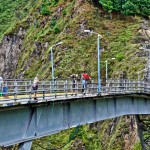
126	86
20	91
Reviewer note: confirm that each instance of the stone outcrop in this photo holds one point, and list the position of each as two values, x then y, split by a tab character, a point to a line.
77	145
10	49
144	31
144	36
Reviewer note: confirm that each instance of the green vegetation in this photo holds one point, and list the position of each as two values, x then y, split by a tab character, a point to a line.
45	7
49	26
54	2
11	12
137	146
106	135
119	56
127	7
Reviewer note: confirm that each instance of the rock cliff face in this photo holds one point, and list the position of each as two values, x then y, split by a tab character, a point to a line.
144	36
10	49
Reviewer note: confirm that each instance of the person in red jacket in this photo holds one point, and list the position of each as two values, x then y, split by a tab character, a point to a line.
85	77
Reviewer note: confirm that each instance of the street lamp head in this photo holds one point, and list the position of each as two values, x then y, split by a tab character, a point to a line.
92	32
88	31
113	58
144	70
99	35
58	43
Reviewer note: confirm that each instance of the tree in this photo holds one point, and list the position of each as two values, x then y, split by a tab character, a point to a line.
108	5
143	7
129	8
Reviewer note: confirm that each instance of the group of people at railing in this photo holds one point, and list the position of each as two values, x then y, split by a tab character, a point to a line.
85	80
76	85
33	89
75	80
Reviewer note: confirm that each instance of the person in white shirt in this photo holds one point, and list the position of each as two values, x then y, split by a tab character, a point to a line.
35	86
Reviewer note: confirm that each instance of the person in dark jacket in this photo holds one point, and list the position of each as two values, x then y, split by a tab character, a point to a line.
74	78
5	91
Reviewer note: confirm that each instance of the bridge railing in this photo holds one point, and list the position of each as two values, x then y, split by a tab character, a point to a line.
21	90
126	86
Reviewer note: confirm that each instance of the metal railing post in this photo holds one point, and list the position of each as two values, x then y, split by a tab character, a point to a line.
26	88
75	90
50	86
65	87
43	90
92	87
77	87
15	90
30	90
55	88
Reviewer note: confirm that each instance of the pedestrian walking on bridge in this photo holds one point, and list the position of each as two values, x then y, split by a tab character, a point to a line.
85	77
35	86
1	85
5	91
74	78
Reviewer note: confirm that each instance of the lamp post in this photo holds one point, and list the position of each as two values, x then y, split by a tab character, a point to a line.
98	57
52	58
107	69
106	76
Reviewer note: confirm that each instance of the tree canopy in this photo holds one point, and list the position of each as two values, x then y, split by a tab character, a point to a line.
127	7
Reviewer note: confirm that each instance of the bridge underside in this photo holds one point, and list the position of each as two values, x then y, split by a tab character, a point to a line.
20	124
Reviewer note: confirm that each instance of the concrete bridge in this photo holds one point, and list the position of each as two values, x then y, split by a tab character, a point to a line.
61	105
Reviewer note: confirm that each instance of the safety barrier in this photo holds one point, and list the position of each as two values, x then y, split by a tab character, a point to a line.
20	91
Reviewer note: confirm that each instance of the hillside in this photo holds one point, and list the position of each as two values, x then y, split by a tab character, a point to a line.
28	30
65	22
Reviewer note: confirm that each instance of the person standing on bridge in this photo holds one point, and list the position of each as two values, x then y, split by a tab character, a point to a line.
85	77
1	85
5	90
74	78
35	86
